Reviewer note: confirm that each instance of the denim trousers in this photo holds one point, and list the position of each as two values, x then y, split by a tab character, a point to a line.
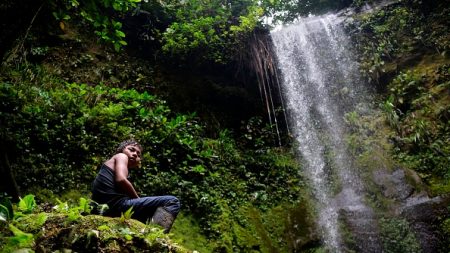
143	208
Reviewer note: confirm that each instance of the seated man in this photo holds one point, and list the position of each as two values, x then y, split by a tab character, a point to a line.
112	187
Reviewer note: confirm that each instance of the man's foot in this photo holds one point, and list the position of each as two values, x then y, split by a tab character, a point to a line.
163	218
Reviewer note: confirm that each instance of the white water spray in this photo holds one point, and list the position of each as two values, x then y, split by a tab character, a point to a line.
320	82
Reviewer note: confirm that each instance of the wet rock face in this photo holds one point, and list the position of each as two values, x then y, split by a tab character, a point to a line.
393	185
422	212
363	227
360	222
424	215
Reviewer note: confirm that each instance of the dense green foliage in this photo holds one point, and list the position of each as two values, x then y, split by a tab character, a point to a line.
423	120
290	10
397	236
98	14
404	54
404	50
398	33
65	130
212	30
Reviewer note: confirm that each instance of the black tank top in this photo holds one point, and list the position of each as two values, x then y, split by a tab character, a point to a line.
104	190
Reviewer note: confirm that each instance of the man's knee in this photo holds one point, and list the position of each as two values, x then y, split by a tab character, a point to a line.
173	205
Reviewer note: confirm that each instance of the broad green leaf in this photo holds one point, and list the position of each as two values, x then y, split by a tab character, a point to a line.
27	204
120	34
3	217
6	208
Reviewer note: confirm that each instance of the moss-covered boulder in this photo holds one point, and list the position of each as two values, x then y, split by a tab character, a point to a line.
91	233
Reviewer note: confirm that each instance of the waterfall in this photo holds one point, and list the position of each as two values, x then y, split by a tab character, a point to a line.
320	83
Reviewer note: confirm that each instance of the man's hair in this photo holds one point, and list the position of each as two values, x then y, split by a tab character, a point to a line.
123	144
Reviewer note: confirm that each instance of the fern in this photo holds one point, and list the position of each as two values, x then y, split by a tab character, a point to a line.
127	215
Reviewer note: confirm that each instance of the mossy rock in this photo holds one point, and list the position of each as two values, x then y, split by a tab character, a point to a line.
95	233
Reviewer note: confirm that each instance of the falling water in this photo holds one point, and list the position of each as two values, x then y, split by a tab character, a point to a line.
320	83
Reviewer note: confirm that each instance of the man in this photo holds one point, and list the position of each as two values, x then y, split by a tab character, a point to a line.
111	187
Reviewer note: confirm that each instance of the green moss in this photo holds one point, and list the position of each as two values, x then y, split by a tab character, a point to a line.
187	232
285	227
439	186
446	227
31	223
95	233
247	238
262	238
369	141
282	158
282	228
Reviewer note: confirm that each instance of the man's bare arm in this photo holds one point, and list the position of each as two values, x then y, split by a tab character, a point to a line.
121	173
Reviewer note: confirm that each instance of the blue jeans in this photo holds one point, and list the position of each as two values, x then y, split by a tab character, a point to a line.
143	208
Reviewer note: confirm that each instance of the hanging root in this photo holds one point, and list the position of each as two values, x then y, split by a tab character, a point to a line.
260	58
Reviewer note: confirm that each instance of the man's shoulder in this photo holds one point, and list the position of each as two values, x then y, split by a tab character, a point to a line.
120	156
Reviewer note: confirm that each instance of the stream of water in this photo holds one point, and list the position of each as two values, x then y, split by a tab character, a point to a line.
320	83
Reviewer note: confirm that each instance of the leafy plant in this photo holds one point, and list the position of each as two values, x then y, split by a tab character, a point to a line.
97	14
127	215
31	223
6	209
415	104
61	207
96	208
397	236
386	34
19	239
84	206
288	11
27	204
391	112
210	29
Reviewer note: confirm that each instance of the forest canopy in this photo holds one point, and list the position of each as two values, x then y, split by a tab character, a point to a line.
211	29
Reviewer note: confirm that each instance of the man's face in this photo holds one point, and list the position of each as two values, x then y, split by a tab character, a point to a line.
134	155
